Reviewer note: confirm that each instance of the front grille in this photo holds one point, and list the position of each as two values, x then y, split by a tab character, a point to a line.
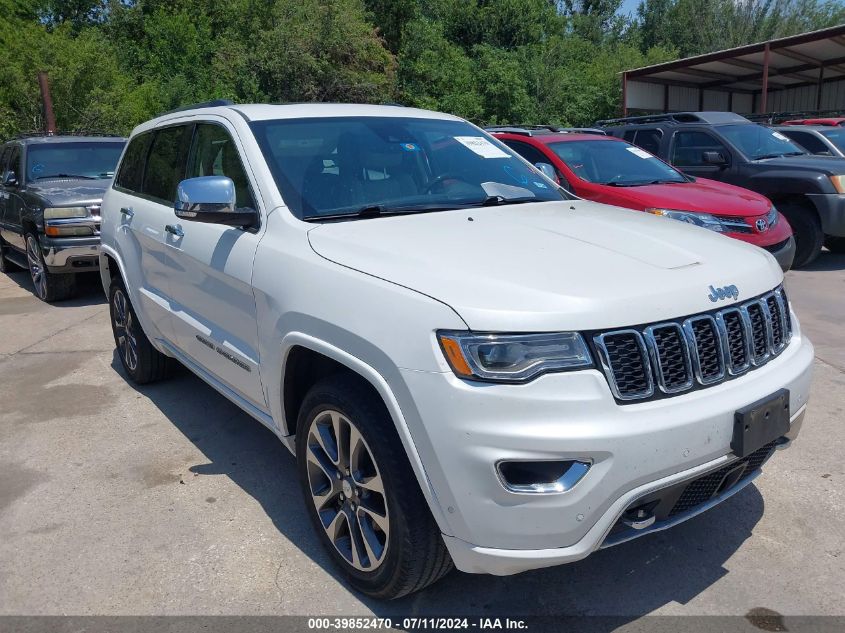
707	486
702	350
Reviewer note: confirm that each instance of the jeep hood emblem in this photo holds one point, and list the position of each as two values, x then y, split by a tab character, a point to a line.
725	292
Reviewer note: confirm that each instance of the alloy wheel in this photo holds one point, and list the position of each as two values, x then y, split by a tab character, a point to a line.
347	490
36	267
123	330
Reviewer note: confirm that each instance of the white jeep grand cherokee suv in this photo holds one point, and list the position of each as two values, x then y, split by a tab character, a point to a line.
471	366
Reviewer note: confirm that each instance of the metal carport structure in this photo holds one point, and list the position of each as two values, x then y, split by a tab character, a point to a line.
803	72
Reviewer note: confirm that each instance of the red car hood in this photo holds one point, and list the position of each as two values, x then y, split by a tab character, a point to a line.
707	196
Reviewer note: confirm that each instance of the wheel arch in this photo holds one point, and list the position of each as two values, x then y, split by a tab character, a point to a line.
299	349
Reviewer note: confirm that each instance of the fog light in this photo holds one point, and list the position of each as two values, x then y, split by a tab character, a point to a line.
541	476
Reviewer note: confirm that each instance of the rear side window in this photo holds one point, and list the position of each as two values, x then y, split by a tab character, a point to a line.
649	140
130	176
215	154
166	162
15	162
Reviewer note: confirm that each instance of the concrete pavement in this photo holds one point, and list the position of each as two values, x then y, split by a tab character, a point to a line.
167	499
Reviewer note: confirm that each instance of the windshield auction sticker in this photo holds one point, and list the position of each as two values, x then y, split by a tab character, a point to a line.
636	151
481	146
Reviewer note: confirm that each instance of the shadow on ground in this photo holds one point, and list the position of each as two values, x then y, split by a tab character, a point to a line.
629	580
826	261
89	289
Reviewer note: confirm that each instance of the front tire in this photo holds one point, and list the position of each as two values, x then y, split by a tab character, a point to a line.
141	361
808	232
49	287
835	244
361	494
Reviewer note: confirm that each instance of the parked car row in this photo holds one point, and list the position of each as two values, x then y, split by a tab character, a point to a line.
473	366
809	190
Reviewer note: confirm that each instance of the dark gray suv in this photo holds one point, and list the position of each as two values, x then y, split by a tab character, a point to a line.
51	188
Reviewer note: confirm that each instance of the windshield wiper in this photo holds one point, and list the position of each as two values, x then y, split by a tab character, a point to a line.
66	176
495	201
377	211
765	156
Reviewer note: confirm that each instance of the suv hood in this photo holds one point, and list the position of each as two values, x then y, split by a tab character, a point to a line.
705	196
549	266
68	192
828	165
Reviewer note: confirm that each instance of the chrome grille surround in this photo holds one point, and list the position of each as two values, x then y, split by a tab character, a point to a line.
702	350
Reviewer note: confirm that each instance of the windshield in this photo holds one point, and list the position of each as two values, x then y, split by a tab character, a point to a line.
835	136
614	163
758	142
79	160
352	165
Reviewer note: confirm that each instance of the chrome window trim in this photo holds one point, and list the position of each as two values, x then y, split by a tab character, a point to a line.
693	346
601	347
651	345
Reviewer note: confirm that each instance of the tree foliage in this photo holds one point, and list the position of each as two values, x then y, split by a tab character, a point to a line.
115	63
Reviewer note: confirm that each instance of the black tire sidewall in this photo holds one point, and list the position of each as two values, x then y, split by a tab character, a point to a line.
368	418
807	230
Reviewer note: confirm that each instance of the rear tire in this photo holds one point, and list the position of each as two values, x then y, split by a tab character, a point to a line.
141	361
808	232
835	244
49	287
361	494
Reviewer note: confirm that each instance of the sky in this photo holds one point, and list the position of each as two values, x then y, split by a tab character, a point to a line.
629	6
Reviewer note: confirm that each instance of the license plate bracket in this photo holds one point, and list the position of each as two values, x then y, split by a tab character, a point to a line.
760	423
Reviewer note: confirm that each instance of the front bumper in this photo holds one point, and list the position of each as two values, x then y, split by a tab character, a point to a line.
634	450
71	254
831	208
783	252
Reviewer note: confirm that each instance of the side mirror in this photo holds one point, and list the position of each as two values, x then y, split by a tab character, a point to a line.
714	158
10	179
211	199
548	171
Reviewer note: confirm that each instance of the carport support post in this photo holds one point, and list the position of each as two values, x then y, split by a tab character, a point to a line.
819	88
625	93
764	94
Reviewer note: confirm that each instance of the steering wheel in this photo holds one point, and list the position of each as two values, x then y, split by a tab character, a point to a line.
438	180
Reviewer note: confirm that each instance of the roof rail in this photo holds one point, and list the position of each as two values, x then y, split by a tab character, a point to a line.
776	117
669	117
41	134
531	130
216	103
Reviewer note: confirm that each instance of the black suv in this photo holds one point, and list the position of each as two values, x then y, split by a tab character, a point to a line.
50	193
809	190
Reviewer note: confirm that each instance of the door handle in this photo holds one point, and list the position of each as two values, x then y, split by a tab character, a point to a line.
127	211
174	230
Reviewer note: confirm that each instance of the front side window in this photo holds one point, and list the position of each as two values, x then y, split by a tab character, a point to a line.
758	142
835	136
84	159
166	162
215	154
808	142
4	159
344	166
614	163
689	148
131	173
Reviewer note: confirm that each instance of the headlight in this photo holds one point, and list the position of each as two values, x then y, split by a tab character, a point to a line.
772	217
838	183
513	357
698	219
56	213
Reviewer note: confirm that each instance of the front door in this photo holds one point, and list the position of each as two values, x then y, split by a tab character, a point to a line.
214	313
688	150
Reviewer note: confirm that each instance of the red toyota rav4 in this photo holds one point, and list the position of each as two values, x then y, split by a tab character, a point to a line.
610	170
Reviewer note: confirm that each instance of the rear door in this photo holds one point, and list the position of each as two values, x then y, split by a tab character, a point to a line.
4	161
149	173
210	272
13	202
